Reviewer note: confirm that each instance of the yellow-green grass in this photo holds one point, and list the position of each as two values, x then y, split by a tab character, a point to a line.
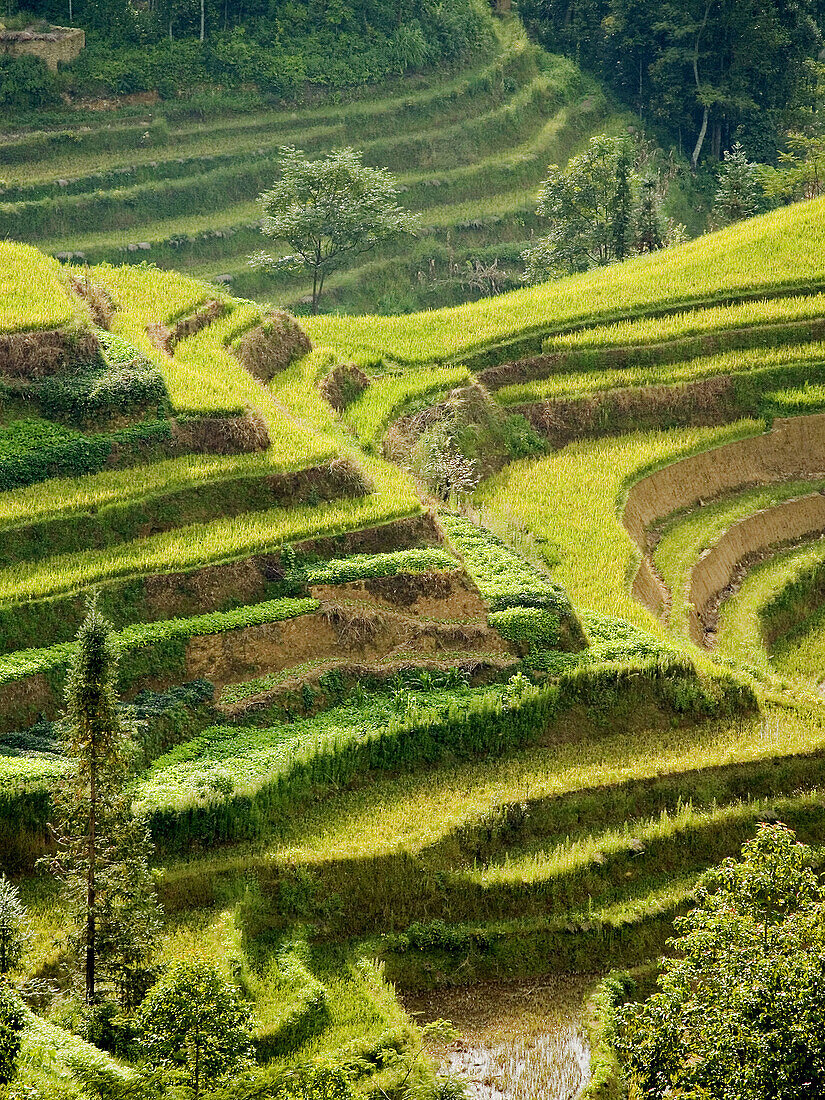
225	133
414	812
71	496
222	539
785	248
582	383
33	291
571	502
202	375
740	635
388	396
692	322
801	653
361	1006
48	1057
575	854
686	537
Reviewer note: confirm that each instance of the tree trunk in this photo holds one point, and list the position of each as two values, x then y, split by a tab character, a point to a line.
694	160
91	899
700	141
203	20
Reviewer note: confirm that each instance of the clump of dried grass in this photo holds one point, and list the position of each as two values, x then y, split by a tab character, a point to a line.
228	435
272	346
342	385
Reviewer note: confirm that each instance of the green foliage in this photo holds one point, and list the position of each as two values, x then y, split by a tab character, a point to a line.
530	627
12	926
592	206
739	193
34	450
739	1010
328	211
711	73
364	566
194	1026
26	83
102	859
12	1020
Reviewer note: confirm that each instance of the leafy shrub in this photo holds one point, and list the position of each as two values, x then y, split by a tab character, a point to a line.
531	627
26	82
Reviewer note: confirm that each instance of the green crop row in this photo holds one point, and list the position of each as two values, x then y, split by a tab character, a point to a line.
387	397
712	321
526	607
243	177
783	249
36	450
235	784
686	537
772	365
365	566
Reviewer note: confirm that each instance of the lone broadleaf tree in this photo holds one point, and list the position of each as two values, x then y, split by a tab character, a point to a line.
740	1008
194	1026
327	211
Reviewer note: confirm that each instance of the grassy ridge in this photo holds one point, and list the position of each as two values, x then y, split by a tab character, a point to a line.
782	249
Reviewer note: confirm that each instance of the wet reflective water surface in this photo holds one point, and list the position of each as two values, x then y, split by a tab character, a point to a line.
519	1041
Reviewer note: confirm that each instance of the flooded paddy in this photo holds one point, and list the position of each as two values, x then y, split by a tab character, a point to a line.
518	1040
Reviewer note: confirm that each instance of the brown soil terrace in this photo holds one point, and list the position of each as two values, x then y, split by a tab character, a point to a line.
744	544
793	450
705	403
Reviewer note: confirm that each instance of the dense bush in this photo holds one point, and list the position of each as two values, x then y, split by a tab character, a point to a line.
34	450
25	82
279	51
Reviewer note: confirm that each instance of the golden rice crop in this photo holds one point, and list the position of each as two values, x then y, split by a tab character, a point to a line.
33	291
571	502
785	248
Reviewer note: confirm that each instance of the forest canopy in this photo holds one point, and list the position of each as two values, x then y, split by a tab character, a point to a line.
711	72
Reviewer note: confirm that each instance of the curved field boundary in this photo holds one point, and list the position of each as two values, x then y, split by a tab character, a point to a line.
793	449
796	520
619	357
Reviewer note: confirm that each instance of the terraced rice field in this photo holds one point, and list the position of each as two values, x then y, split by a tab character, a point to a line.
415	743
470	151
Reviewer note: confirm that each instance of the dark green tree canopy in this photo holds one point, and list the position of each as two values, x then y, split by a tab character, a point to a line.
12	1021
712	71
740	1009
597	209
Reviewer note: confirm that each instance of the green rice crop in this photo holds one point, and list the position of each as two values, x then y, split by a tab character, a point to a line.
33	291
572	500
420	811
390	395
219	540
740	361
740	624
784	248
694	322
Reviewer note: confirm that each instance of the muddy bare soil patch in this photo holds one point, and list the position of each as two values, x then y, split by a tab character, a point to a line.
519	1041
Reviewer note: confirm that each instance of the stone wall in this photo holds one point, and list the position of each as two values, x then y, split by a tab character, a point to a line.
53	46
